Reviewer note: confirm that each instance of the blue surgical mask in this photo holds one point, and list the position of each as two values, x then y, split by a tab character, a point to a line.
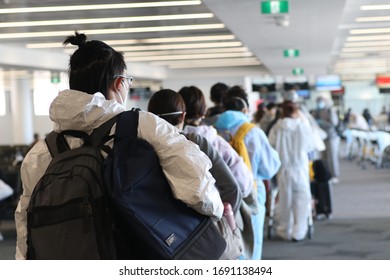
321	105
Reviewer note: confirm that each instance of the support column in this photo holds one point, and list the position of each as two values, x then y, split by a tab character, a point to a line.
21	110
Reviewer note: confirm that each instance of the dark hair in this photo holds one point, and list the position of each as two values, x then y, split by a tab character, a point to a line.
288	109
167	101
259	113
195	103
270	105
236	99
217	92
93	65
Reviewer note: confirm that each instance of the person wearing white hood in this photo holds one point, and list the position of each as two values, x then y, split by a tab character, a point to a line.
292	138
195	111
98	91
264	159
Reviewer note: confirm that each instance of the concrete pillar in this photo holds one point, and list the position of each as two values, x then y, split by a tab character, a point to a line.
21	110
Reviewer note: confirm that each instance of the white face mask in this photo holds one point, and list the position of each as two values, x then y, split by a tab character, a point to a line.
121	101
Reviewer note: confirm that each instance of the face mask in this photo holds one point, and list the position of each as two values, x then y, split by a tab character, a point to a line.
121	101
125	102
321	105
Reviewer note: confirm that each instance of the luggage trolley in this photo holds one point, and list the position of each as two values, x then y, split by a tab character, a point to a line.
273	194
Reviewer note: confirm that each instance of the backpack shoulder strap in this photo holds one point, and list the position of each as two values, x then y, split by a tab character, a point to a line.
51	142
127	125
238	144
243	130
56	142
101	134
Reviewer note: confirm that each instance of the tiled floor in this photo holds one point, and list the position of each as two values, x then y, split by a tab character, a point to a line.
360	224
359	228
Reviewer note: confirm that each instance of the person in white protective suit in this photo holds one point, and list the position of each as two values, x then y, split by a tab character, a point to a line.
292	138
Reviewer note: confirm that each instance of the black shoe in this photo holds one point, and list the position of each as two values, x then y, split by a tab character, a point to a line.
298	240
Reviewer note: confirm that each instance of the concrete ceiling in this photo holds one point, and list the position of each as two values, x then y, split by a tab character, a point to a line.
312	29
317	28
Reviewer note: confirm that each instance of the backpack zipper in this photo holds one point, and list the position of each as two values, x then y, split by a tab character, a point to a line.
87	212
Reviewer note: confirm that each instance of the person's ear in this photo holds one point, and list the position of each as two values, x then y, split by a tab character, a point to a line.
115	85
183	116
118	84
115	88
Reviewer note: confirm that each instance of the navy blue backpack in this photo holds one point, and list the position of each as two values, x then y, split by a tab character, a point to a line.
152	223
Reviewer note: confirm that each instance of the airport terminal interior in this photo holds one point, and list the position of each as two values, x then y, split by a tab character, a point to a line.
338	50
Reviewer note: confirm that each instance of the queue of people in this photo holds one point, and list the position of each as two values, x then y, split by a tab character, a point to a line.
194	146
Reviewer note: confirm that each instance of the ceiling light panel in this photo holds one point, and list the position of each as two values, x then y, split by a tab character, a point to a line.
368	38
23	35
366	44
190	51
143	41
353	55
369	31
145	31
372	19
374	7
180	46
103	20
97	7
366	49
191	56
232	62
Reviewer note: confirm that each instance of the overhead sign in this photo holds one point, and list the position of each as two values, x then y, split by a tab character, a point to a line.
55	78
274	7
297	71
291	53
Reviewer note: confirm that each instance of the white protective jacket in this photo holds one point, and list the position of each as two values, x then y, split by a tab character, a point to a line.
293	140
235	163
185	166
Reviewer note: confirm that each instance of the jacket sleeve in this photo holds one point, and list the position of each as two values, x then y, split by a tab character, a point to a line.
224	180
184	165
264	158
32	169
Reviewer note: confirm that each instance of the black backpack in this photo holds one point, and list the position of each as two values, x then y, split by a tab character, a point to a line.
68	215
154	225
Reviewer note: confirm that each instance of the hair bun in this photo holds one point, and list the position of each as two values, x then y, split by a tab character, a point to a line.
78	39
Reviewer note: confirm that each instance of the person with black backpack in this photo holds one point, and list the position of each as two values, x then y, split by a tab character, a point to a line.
99	86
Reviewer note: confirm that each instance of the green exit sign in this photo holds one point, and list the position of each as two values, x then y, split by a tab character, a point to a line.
274	7
55	78
297	71
291	53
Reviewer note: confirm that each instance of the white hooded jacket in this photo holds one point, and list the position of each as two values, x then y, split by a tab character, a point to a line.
185	166
293	139
235	163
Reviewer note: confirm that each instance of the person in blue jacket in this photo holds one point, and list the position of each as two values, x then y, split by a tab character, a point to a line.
264	159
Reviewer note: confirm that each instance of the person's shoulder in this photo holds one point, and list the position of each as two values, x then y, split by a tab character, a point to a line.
37	154
257	130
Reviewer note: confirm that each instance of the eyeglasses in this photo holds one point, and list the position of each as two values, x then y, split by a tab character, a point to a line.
171	113
129	79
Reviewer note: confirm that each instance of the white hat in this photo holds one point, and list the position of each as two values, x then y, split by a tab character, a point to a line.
290	95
